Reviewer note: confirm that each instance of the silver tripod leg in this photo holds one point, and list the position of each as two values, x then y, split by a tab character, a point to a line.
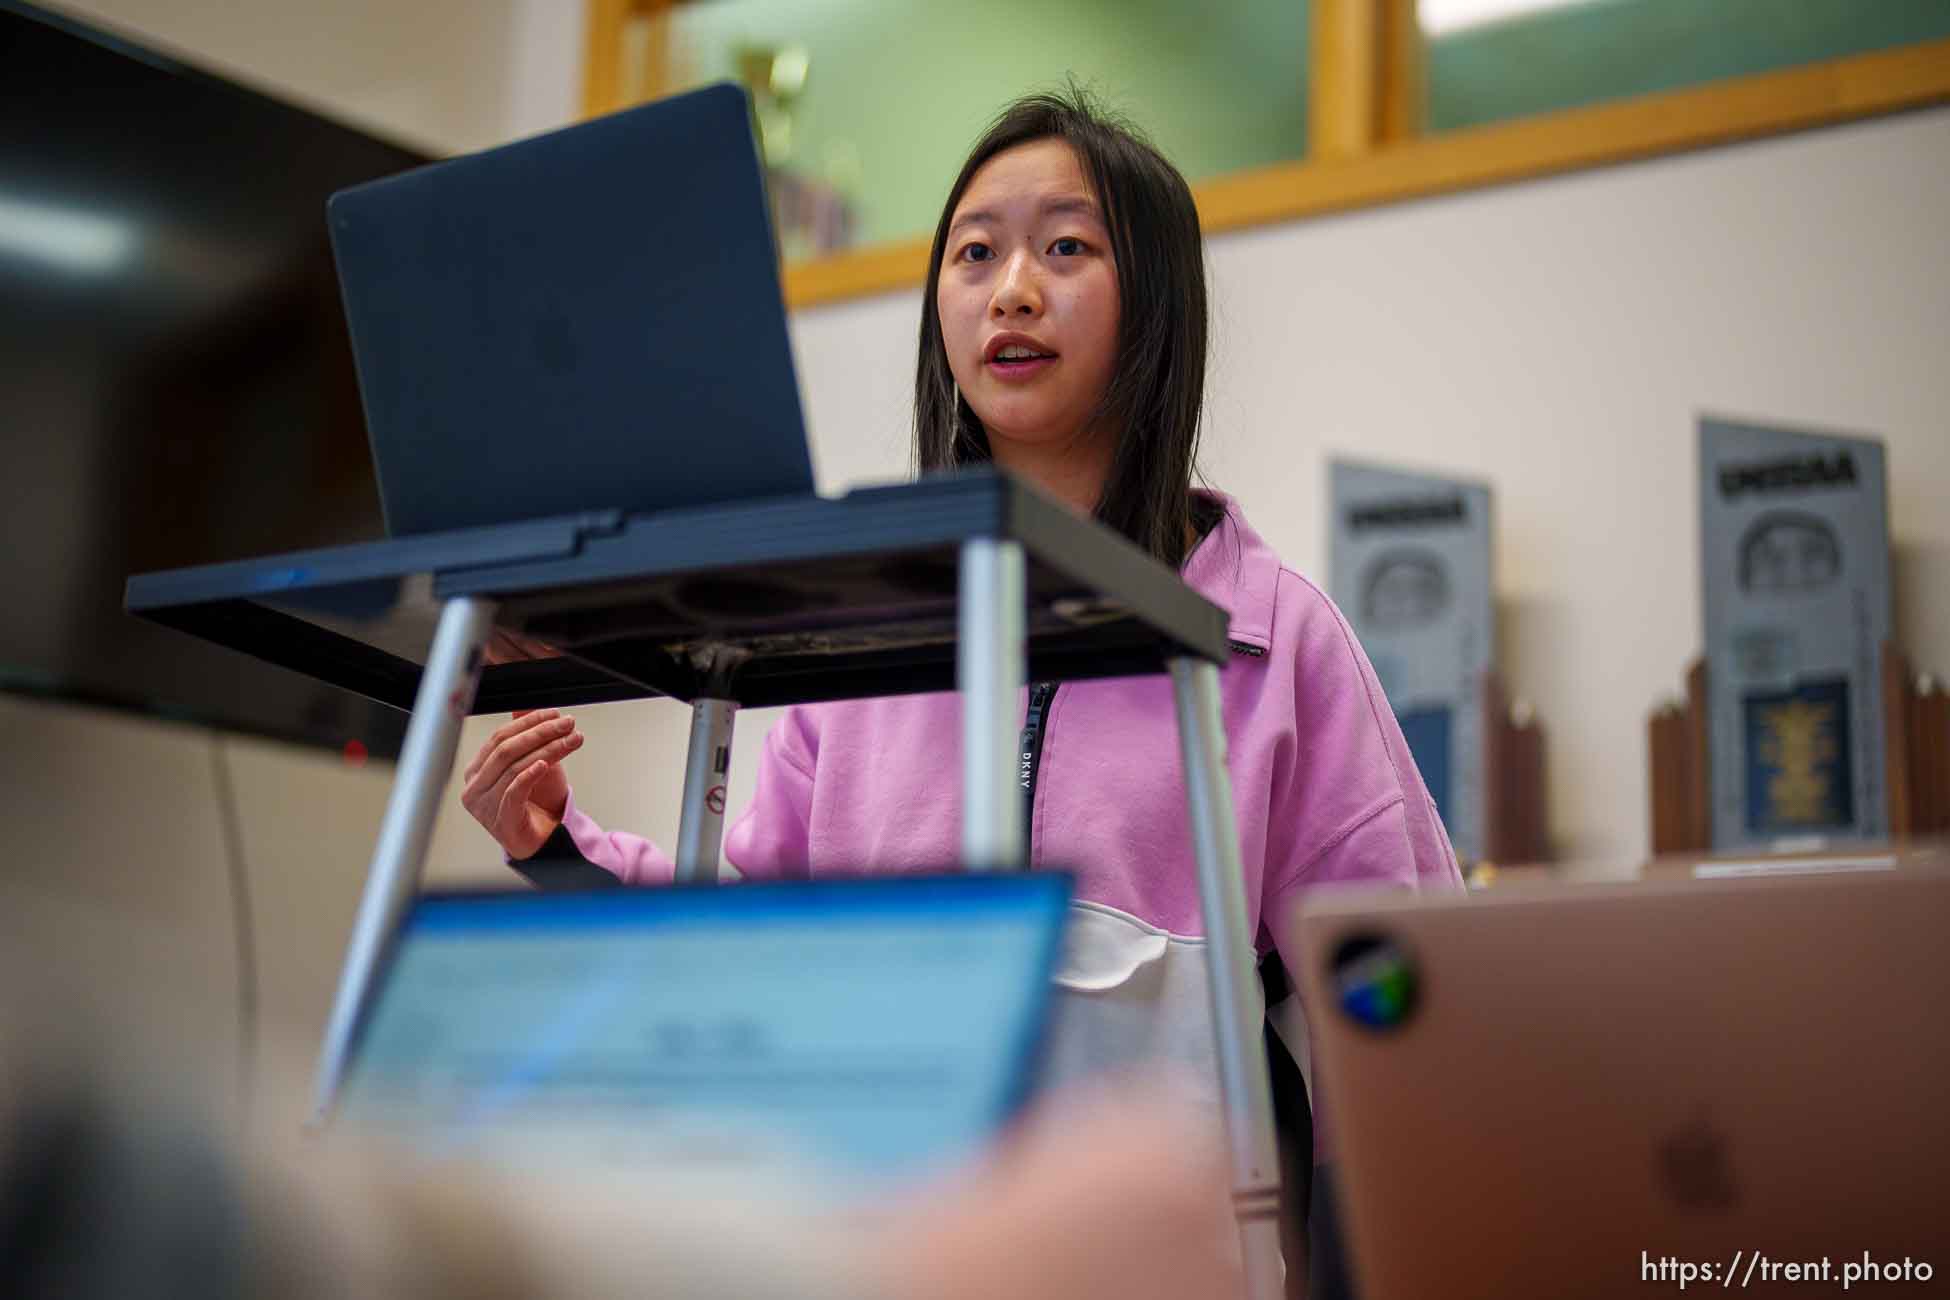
989	674
426	760
1237	1016
707	772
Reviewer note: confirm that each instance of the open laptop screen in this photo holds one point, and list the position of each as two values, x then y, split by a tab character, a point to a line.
865	1027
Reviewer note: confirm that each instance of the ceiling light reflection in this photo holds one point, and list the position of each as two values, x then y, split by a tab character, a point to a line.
69	238
1440	17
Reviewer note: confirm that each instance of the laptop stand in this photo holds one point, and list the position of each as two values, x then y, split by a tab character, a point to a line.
969	582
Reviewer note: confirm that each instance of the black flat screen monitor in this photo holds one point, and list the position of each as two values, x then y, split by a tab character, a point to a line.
176	386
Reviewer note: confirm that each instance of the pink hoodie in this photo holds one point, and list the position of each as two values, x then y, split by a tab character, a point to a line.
1322	783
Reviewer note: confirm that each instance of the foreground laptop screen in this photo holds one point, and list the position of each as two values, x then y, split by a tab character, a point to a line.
844	1028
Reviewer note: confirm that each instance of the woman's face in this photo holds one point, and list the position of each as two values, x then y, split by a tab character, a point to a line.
1028	297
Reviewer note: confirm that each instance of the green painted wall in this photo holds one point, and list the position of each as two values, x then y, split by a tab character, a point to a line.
907	87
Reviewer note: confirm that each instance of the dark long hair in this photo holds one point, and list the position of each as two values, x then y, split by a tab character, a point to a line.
1157	386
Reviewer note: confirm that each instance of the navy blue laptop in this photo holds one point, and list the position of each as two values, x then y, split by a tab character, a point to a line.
828	1032
588	320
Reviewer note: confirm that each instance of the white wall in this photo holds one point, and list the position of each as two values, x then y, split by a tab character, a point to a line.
445	76
1556	338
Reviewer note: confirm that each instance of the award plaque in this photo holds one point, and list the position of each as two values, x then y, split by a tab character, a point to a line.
1410	568
1794	557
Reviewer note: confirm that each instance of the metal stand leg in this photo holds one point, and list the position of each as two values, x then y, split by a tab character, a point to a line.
989	673
1236	1014
700	828
425	762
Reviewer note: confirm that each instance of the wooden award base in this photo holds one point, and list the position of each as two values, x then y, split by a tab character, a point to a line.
1515	826
1916	760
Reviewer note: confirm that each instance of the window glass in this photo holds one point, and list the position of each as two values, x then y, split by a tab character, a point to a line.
1489	60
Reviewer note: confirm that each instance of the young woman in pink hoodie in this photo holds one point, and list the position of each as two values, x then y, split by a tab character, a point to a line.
1064	339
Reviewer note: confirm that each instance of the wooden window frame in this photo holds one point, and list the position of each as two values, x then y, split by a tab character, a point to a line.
1364	91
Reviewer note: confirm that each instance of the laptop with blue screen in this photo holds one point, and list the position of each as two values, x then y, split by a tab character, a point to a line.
844	1031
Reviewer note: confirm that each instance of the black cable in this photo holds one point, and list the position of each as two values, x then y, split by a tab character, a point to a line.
241	915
